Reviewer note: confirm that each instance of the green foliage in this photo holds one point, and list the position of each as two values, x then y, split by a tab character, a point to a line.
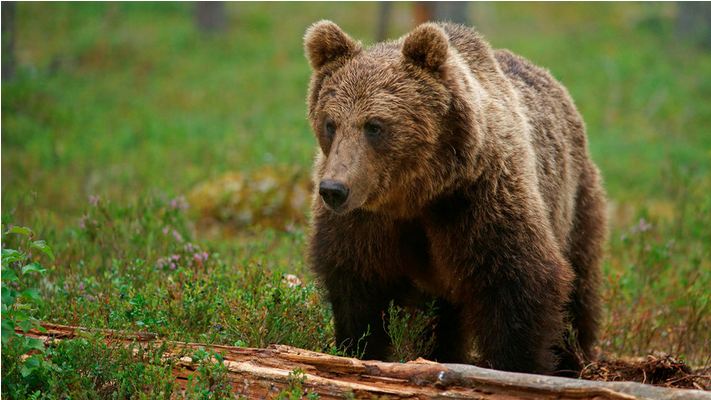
411	331
211	381
137	267
87	368
198	300
83	368
20	299
20	274
658	278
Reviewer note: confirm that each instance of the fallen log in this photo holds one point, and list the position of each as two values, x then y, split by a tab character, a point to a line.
262	373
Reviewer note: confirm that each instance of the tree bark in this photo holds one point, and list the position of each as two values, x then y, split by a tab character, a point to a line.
384	12
8	40
210	16
261	373
441	11
694	22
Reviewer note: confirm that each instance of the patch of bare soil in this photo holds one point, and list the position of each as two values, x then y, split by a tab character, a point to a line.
658	369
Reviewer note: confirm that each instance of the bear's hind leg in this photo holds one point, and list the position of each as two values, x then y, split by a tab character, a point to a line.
585	253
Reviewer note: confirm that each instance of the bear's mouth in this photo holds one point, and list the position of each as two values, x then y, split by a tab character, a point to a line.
353	202
341	210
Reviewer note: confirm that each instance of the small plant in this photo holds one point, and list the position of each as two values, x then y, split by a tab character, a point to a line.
20	273
20	298
296	390
211	381
411	331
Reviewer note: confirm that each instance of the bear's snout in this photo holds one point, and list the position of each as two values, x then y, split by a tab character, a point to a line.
333	193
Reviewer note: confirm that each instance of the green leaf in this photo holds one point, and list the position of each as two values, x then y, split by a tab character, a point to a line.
26	371
34	344
11	255
33	267
42	246
8	295
32	363
26	324
20	230
9	275
31	295
8	329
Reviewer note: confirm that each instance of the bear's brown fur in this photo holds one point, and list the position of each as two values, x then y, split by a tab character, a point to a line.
450	170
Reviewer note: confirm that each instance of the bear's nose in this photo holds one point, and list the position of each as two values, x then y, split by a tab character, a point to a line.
334	193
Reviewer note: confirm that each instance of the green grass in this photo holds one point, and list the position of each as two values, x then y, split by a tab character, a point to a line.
129	103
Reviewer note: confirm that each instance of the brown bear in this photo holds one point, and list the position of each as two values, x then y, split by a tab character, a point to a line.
450	170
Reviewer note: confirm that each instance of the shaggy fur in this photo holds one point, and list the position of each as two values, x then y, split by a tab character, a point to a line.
475	188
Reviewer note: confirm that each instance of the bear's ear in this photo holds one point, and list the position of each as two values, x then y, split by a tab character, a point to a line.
324	42
426	46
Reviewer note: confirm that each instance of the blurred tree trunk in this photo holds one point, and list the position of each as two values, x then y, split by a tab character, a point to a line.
384	11
8	40
451	11
210	16
694	22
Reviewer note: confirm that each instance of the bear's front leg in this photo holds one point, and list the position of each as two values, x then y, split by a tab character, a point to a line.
518	315
452	339
354	257
359	307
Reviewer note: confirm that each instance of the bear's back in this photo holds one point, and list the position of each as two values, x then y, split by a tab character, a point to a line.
557	135
557	130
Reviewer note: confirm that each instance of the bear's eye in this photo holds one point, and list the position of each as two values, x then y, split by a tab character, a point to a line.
373	129
329	127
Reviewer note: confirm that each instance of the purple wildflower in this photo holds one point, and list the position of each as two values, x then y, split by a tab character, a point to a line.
641	227
177	236
201	257
179	203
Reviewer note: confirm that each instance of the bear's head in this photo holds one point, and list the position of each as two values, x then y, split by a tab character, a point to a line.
394	122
